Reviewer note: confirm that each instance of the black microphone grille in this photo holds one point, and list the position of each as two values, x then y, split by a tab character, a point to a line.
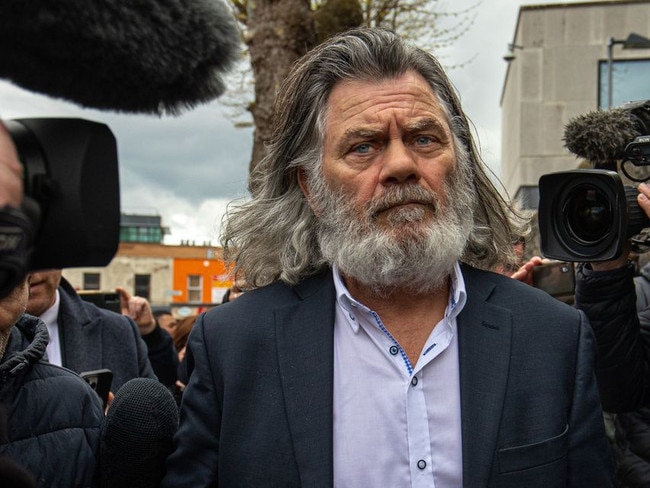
137	435
601	136
158	57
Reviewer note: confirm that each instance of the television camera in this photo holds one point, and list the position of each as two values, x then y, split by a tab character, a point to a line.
588	215
70	214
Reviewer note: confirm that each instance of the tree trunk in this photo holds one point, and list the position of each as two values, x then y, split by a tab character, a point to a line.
280	31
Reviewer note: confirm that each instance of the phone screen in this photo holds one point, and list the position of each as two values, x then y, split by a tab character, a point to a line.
557	278
100	380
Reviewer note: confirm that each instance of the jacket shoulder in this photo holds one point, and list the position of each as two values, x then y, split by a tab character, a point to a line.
519	298
264	301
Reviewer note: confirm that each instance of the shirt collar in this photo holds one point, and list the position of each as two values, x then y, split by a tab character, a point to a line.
457	295
50	316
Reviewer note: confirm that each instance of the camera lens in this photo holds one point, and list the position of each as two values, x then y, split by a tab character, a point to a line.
588	214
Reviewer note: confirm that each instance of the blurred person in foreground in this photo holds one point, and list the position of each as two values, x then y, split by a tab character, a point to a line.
616	302
54	417
166	320
234	292
181	333
84	337
50	418
373	348
11	189
160	344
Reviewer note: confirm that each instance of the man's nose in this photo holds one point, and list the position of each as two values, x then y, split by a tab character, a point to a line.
399	164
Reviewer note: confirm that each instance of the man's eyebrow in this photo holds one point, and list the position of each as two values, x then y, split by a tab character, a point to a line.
428	124
360	133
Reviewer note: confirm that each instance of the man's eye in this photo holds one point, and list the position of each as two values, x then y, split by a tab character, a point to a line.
362	149
423	140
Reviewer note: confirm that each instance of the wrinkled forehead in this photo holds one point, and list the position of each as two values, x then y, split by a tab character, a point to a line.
364	91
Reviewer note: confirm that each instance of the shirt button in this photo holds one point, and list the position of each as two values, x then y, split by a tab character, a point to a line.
422	464
393	350
414	381
352	317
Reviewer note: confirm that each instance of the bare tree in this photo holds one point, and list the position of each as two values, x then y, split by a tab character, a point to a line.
277	32
429	23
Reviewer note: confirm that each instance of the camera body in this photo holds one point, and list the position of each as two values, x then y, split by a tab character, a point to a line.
71	197
587	215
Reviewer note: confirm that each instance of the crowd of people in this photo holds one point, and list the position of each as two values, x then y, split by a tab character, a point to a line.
389	335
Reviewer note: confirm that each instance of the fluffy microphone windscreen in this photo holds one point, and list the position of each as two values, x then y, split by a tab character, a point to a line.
145	56
137	435
601	136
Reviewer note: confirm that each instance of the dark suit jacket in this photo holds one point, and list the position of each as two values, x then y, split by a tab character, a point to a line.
257	411
94	338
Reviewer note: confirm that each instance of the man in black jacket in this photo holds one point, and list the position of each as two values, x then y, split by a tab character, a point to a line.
84	337
370	352
605	291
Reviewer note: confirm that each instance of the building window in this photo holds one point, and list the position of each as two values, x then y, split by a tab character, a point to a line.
141	228
141	234
194	288
629	82
91	281
143	286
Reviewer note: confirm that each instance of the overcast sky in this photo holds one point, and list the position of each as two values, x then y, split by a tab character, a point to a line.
187	168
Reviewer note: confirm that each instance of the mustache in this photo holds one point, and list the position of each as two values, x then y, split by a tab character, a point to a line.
401	195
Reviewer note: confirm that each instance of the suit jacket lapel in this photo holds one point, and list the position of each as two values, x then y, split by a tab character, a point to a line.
305	332
484	333
81	339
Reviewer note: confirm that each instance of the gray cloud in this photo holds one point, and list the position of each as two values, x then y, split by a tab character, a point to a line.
200	155
187	168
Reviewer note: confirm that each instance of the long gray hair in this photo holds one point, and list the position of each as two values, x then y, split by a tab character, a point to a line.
273	236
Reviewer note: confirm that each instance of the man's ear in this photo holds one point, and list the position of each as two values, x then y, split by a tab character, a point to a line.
303	182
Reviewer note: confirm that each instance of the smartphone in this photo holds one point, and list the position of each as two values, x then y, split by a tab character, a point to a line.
100	380
556	278
108	300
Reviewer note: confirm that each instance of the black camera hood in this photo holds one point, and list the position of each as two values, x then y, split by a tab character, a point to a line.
587	215
72	193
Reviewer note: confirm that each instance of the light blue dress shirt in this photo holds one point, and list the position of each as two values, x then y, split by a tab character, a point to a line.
396	424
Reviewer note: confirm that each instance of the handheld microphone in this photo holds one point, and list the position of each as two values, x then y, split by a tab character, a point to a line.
137	435
149	56
602	136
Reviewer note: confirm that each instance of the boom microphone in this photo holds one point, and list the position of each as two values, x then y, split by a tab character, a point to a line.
601	136
145	56
137	435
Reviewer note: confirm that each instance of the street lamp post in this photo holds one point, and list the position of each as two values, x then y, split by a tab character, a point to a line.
633	41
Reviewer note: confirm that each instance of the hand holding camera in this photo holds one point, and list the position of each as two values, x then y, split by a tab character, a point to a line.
590	215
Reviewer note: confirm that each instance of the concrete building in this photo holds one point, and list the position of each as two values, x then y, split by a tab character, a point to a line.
558	69
186	278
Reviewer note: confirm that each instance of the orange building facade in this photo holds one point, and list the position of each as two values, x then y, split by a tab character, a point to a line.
187	279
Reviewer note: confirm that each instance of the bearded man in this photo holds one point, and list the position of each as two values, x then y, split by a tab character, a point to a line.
374	350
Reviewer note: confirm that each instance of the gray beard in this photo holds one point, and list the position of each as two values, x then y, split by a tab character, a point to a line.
407	254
